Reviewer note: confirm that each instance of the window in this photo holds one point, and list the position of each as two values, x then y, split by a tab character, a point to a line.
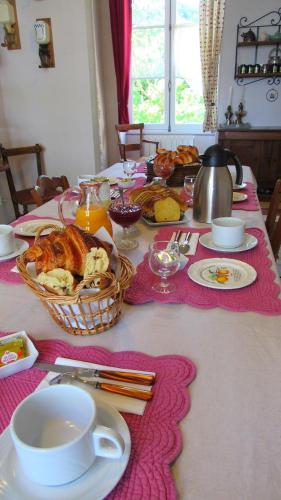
166	87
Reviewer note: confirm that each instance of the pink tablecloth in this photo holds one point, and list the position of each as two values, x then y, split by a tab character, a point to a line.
262	296
156	438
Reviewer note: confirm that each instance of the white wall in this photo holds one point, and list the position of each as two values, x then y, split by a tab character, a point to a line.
50	106
260	112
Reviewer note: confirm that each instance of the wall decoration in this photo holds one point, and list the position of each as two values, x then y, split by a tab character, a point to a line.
8	17
43	33
254	64
272	95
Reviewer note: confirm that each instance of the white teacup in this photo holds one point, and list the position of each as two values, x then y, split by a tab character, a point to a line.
7	240
56	436
228	232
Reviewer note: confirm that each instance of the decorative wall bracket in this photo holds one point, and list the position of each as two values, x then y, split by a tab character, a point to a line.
43	31
8	17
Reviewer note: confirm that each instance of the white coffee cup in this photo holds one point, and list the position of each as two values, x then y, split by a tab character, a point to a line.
56	436
228	232
7	240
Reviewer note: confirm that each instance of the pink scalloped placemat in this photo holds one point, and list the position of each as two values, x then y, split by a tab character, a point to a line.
251	204
156	438
262	296
6	275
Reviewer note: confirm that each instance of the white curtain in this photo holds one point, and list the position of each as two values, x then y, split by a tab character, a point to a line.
100	142
211	29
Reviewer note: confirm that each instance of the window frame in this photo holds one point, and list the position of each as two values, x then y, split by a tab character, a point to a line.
169	125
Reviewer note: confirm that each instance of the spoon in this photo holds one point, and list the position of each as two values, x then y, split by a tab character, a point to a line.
185	245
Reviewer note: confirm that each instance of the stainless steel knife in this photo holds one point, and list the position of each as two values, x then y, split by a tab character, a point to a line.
133	378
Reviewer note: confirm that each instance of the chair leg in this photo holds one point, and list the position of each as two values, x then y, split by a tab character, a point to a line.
16	209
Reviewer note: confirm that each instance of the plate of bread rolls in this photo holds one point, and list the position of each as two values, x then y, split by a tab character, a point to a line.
160	204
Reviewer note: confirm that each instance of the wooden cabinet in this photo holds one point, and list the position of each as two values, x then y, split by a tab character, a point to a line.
260	149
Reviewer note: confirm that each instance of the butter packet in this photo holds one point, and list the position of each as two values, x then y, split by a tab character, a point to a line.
12	350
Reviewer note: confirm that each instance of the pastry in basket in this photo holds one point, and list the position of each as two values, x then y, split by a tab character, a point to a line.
64	257
186	154
159	203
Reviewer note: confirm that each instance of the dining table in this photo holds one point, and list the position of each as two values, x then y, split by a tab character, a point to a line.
229	442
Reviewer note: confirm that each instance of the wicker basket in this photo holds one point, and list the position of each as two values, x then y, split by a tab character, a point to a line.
176	180
84	313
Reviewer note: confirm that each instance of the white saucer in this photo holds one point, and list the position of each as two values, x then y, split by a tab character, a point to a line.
21	246
95	484
249	243
236	187
29	228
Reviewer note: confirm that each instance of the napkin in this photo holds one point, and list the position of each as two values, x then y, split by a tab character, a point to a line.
193	241
121	403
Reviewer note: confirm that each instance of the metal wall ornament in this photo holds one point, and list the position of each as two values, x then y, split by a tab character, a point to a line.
255	37
272	95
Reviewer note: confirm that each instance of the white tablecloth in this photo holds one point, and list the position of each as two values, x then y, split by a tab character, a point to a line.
231	436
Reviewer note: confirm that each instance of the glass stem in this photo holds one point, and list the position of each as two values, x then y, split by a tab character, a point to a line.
164	282
126	233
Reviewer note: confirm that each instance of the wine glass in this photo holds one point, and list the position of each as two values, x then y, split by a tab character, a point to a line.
129	168
164	261
164	169
125	214
188	184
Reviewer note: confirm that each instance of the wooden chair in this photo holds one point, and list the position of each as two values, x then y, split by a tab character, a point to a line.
23	196
273	223
47	188
122	130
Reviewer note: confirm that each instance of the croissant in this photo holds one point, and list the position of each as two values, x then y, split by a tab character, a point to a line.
65	249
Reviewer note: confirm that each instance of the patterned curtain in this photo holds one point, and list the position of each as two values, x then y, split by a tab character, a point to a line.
211	29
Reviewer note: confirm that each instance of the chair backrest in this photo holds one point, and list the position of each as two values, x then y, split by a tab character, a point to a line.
137	145
7	153
47	188
273	223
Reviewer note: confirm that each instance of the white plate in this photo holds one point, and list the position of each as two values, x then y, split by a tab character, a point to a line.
30	227
237	274
250	242
126	183
95	484
21	246
236	187
97	178
236	197
172	223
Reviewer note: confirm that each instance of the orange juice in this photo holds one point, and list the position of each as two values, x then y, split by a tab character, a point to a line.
93	217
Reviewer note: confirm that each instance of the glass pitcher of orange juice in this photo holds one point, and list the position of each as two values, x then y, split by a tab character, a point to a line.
91	213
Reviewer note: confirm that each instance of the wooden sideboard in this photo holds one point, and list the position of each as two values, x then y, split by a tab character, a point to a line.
260	149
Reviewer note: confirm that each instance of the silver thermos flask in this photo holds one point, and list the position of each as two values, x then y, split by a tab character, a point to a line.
213	185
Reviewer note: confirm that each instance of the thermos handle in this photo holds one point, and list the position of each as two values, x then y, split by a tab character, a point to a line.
238	166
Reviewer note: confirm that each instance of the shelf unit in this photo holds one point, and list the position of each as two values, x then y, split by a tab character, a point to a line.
256	26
